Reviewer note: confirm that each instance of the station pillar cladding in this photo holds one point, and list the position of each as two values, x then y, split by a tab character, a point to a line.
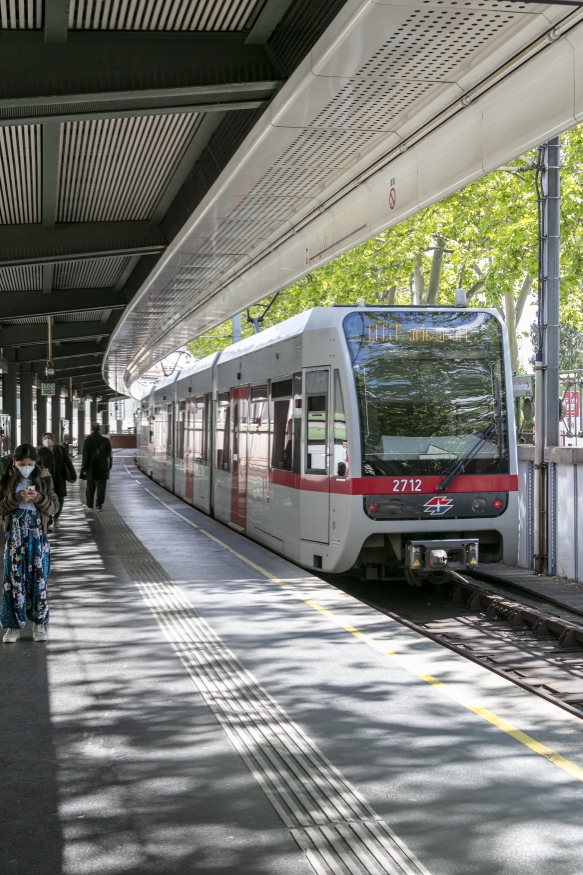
93	410
27	380
56	414
9	395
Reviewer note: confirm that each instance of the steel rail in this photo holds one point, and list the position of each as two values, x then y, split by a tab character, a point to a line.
437	639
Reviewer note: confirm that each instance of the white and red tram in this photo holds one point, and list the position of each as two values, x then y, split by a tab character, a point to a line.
344	436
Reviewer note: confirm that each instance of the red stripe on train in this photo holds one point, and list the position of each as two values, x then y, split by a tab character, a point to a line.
394	485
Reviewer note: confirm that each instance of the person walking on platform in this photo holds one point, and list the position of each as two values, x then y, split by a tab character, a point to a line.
97	462
27	501
55	458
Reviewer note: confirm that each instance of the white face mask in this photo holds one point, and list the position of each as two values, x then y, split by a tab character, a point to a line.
26	470
48	442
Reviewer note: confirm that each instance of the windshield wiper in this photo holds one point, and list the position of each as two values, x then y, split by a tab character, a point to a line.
460	466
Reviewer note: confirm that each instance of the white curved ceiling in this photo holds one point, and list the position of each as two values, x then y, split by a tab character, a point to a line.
399	103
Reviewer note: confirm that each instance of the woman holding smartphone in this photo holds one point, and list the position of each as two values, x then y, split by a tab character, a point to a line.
27	502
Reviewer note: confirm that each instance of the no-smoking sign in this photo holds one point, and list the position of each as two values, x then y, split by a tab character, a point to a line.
392	194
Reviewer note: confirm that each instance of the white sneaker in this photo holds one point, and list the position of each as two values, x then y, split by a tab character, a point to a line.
39	632
11	635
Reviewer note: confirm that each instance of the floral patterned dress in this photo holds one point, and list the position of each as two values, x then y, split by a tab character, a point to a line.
26	571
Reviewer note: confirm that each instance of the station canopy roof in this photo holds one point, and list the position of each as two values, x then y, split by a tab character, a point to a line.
115	120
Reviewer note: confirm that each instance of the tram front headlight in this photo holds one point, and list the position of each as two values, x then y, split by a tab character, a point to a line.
479	504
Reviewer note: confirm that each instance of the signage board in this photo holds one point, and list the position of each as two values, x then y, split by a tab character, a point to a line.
571	402
47	389
523	386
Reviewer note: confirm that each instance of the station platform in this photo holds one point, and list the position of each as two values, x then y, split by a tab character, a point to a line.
203	705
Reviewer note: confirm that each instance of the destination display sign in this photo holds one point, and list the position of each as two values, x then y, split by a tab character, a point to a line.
392	332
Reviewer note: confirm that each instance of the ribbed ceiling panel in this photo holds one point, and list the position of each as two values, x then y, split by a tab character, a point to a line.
116	169
26	320
225	15
87	316
21	14
20	174
28	278
91	273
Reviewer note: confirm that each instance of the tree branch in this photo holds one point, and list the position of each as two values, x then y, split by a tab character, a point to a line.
476	288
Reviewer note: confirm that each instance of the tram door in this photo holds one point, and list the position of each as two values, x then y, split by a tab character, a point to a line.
239	458
315	488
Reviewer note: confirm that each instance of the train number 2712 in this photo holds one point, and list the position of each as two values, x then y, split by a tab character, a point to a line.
407	485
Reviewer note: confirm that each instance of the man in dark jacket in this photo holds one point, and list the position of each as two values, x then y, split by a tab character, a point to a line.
55	458
97	462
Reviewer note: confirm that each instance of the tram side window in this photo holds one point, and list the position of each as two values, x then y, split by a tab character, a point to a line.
282	401
180	430
168	443
317	420
258	426
223	430
200	428
340	468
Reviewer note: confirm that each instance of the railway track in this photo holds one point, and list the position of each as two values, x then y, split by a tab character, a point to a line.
520	641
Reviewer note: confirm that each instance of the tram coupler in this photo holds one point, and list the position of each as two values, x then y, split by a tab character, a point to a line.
458	554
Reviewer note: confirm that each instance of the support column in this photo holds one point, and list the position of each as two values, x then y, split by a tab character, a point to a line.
69	417
105	419
26	401
80	425
9	402
552	162
93	410
237	332
41	417
69	412
56	413
547	357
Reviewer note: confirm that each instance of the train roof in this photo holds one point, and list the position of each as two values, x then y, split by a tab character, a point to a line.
198	366
282	331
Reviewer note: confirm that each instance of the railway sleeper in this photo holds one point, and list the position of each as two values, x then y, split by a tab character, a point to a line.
567	635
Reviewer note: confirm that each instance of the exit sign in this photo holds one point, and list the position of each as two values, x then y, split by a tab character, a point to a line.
47	389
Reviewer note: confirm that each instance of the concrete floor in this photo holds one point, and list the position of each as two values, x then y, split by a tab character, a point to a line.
112	763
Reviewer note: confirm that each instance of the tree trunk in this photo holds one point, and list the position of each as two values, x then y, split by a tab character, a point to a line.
419	281
510	308
435	274
523	296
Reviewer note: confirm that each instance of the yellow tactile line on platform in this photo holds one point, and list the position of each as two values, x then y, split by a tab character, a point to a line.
531	743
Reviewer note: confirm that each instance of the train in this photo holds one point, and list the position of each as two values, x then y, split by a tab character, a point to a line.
368	440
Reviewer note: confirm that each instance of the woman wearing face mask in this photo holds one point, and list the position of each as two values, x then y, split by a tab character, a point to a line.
55	458
27	500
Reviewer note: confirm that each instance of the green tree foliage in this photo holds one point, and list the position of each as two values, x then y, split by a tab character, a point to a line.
482	238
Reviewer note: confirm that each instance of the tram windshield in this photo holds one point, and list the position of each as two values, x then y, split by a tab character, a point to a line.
430	389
